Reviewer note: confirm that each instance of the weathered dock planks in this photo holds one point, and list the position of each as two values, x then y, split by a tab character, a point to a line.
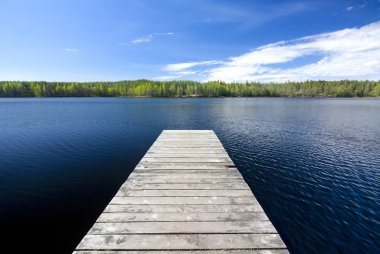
185	196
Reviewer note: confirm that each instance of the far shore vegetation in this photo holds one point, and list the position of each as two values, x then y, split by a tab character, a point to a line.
148	88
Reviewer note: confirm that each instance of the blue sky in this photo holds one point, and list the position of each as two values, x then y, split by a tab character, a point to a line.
189	39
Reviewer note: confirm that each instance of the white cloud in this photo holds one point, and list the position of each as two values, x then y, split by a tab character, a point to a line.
359	6
142	40
189	70
149	37
185	66
345	54
168	77
71	50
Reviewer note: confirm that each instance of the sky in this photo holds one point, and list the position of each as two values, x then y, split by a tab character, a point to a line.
231	41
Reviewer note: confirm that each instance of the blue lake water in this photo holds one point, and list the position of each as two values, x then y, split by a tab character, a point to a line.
313	164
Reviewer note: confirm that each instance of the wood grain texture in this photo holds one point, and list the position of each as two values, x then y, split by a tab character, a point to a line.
180	217
184	196
209	208
183	193
181	241
187	227
183	200
240	251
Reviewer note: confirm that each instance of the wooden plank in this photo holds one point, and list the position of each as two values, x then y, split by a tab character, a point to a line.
208	140
240	251
183	193
214	165
179	217
184	132
181	242
186	155
184	186
184	196
175	153
169	173
185	160
186	150
190	145
187	173
163	179
187	170
186	227
189	135
183	208
183	200
192	170
180	167
189	139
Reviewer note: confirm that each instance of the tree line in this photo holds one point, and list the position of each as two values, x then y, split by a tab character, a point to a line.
343	88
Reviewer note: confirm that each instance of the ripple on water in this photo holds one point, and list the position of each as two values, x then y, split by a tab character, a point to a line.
312	164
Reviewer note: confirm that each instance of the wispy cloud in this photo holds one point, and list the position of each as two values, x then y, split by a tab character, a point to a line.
176	75
71	50
188	69
345	54
356	6
184	66
150	37
142	40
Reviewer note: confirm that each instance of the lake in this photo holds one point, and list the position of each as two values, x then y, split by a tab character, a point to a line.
313	164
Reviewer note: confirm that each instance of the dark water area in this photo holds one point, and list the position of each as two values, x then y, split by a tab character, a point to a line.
313	164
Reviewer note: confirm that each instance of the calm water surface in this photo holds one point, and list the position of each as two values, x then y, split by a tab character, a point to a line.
313	164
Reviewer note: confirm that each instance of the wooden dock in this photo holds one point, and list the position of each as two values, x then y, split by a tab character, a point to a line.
185	196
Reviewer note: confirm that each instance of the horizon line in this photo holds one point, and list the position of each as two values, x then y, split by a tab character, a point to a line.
196	81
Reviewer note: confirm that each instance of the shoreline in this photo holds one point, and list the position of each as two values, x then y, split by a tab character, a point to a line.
199	97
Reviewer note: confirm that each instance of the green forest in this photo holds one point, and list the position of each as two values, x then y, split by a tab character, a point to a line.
148	88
